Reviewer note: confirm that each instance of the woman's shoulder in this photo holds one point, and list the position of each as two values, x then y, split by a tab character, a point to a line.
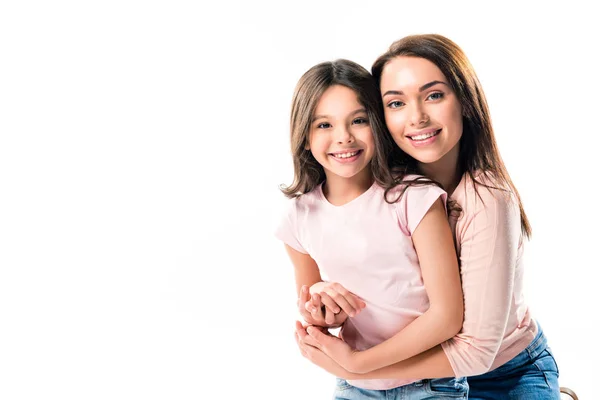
483	190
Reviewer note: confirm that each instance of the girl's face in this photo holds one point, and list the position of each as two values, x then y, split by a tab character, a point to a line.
422	112
340	135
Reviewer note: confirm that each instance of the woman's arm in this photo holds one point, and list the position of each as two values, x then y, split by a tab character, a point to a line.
430	364
490	237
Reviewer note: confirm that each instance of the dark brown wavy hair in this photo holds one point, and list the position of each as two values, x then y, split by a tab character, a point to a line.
478	148
308	173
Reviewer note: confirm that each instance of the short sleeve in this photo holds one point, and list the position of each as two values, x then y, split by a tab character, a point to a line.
414	204
287	229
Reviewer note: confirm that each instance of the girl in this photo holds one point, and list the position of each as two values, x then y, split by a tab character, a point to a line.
397	255
437	113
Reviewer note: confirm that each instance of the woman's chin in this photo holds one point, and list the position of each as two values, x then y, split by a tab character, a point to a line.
426	157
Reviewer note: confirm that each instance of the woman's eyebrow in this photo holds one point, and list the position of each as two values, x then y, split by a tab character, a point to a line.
430	84
424	87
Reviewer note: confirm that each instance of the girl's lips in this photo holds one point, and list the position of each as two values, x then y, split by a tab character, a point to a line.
347	159
344	151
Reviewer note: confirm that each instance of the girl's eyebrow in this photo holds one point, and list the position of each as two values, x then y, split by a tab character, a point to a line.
424	87
316	117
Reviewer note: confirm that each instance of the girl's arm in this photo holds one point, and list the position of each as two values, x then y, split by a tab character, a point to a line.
306	273
434	245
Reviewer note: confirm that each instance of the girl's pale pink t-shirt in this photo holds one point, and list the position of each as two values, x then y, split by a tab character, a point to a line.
366	246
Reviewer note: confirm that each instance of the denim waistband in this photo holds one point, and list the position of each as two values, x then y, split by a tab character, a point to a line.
538	344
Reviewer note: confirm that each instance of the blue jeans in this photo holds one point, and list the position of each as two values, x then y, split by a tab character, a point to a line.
532	374
445	388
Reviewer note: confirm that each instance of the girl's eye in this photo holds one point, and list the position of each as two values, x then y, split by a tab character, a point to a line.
324	125
436	96
395	104
360	120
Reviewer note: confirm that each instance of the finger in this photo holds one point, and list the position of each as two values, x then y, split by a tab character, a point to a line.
312	353
350	297
305	315
330	303
310	341
316	300
304	295
300	327
354	299
317	310
301	337
329	317
312	303
304	348
302	300
306	307
301	347
340	318
361	302
342	302
316	314
300	330
318	336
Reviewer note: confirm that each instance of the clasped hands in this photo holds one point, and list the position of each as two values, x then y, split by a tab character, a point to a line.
324	306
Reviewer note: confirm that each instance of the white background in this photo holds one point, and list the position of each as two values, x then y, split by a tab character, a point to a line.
141	149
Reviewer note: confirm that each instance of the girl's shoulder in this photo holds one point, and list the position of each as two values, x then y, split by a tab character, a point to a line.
414	191
306	199
414	182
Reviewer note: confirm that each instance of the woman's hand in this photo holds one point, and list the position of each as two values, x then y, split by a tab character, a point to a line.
308	348
336	297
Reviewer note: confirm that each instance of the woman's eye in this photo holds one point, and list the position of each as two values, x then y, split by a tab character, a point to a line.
360	120
324	125
395	104
436	96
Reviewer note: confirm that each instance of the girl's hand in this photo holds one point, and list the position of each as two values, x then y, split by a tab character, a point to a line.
314	312
336	297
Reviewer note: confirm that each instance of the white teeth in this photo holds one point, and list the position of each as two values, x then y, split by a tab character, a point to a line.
345	155
423	136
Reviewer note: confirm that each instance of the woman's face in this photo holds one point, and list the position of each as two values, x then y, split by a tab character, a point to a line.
422	111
